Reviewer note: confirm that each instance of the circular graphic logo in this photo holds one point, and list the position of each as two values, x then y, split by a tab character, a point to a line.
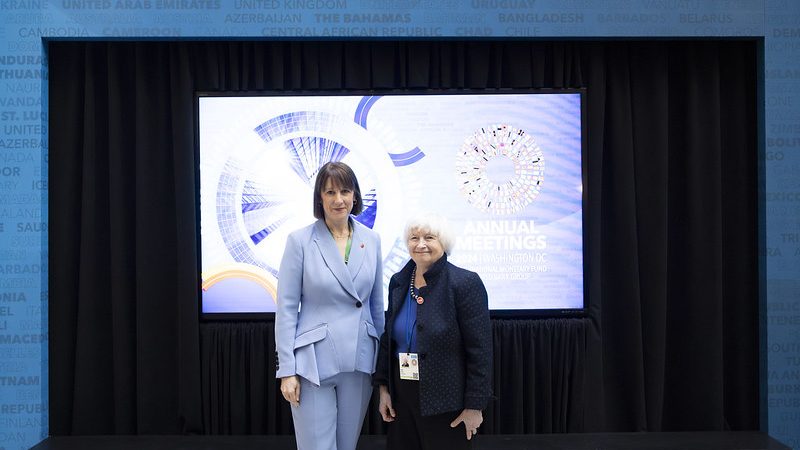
500	169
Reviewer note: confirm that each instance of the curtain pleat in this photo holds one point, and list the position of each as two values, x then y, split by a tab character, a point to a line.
539	374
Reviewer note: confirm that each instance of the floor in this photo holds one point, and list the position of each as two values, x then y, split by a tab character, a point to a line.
742	440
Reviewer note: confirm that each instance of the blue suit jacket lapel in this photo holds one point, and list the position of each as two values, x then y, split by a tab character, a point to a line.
333	259
357	251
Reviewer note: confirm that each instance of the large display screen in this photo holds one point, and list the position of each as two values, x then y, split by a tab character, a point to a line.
504	168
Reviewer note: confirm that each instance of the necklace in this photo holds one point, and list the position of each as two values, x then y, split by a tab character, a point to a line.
413	290
348	236
341	236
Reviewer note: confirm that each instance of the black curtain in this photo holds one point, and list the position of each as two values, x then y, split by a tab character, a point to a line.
670	341
539	368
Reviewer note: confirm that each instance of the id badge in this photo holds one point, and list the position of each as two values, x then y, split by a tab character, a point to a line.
409	366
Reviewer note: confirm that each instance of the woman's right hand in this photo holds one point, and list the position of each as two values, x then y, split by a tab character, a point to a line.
385	406
290	388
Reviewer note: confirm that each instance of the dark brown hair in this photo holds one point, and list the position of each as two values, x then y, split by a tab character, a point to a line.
343	176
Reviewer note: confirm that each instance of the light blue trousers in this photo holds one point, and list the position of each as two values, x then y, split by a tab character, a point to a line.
330	415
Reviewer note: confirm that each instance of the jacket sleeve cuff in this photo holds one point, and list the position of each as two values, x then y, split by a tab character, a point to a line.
284	373
379	379
476	402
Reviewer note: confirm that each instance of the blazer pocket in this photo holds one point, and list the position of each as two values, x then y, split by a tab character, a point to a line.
372	331
305	353
376	341
311	336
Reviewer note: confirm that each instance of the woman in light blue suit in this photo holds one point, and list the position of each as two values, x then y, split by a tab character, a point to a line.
330	316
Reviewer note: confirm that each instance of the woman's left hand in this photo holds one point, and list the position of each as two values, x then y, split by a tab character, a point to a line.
472	418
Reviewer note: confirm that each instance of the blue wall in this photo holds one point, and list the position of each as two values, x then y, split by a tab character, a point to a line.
23	141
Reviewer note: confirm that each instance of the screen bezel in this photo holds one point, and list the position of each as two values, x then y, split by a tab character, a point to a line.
494	313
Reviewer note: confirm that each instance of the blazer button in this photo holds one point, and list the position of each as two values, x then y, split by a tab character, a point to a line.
359	304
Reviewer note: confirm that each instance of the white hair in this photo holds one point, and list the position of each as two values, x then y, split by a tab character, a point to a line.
434	224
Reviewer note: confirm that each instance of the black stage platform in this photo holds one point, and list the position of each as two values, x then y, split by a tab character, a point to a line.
741	440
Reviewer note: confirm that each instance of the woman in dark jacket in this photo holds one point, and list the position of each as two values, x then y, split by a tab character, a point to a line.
434	367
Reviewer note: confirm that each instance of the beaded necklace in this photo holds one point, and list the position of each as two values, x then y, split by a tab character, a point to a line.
413	290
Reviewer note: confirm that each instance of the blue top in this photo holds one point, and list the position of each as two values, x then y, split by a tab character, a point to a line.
405	325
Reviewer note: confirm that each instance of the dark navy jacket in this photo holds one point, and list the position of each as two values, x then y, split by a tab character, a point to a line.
454	339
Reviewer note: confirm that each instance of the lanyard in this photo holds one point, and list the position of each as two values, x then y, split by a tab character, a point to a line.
347	248
409	329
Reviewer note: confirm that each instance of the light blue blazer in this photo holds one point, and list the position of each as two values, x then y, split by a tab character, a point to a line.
340	318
